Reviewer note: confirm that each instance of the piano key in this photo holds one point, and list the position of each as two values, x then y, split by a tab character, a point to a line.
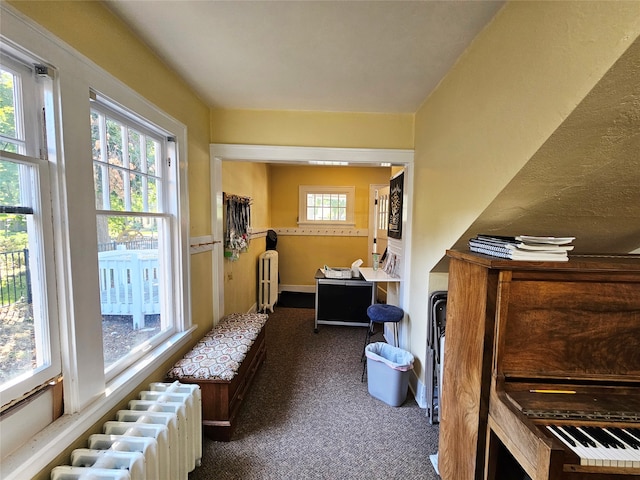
633	431
564	436
625	437
614	452
586	456
584	443
579	436
602	454
631	444
603	437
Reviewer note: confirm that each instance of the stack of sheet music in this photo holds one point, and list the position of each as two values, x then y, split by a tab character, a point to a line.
523	247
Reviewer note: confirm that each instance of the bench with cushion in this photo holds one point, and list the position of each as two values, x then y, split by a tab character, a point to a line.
224	363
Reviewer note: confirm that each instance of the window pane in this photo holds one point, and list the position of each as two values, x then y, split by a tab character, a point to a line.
10	183
328	207
130	265
114	142
134	149
117	188
133	182
98	178
153	148
143	193
22	321
18	350
130	278
151	196
10	140
96	143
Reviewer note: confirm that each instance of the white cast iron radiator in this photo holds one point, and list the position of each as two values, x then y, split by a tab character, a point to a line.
158	438
268	288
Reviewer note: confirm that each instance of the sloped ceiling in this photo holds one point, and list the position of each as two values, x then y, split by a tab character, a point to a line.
585	179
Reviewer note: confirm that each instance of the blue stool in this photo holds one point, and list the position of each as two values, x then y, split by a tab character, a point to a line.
381	313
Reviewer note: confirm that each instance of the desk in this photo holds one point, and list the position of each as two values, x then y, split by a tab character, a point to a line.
344	301
371	275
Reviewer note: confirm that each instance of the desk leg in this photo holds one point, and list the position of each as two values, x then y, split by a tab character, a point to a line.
315	329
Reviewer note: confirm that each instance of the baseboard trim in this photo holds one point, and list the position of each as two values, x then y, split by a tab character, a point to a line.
418	389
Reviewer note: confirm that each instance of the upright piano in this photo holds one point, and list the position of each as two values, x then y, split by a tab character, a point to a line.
547	374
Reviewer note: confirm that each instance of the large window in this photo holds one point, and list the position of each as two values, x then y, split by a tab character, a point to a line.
326	205
131	164
94	256
29	351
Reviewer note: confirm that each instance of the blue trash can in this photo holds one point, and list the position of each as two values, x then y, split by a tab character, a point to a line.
388	370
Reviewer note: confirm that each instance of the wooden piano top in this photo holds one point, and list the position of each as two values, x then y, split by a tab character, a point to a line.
586	263
582	326
565	401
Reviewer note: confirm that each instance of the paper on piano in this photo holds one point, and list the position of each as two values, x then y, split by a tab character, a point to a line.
545	240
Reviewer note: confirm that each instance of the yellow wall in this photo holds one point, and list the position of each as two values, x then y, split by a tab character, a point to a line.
511	89
240	277
300	256
312	129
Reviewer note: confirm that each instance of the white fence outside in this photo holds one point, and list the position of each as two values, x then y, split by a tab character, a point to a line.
129	284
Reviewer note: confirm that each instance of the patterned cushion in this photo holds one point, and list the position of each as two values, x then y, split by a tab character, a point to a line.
218	355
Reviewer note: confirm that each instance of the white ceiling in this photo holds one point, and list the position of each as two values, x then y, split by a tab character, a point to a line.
348	56
387	56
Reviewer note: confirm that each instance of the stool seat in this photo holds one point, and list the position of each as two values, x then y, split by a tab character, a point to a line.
382	313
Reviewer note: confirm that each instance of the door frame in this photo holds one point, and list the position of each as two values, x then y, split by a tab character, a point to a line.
372	216
369	157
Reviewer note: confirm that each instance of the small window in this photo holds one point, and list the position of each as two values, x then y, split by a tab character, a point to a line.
325	205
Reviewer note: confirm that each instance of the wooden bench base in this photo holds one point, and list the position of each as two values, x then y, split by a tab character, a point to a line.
221	399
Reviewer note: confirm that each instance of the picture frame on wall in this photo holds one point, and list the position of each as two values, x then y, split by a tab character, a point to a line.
396	186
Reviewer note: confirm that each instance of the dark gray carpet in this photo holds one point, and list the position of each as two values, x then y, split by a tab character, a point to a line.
308	416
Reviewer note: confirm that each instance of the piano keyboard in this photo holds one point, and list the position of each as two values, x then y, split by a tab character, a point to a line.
601	446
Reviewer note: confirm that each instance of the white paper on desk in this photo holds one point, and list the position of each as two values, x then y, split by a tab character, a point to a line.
355	268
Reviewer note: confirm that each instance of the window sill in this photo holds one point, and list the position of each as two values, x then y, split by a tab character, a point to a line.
43	448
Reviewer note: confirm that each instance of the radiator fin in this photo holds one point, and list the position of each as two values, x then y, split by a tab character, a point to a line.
158	438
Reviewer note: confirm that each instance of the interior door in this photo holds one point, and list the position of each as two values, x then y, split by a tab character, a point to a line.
381	219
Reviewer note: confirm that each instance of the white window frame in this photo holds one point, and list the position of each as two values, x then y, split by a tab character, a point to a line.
304	190
171	315
33	93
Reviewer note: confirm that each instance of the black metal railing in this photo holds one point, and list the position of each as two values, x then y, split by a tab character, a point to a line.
15	278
